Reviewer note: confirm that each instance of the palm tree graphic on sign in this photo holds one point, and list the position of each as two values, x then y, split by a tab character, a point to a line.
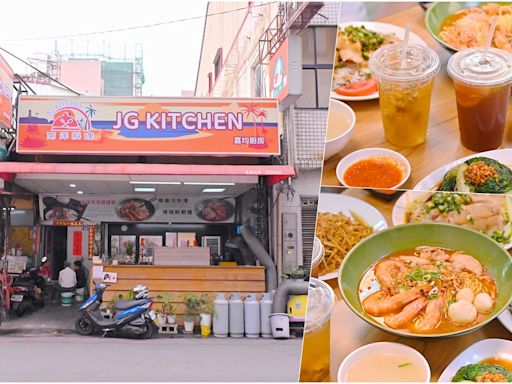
253	111
90	112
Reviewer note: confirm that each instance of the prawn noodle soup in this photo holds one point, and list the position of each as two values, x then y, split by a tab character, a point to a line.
428	290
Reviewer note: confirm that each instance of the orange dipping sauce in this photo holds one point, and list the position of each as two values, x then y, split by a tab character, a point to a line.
374	172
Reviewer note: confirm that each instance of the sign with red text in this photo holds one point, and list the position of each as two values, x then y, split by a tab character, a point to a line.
147	126
84	210
77	243
6	87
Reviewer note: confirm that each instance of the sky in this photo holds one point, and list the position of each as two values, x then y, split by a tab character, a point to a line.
171	51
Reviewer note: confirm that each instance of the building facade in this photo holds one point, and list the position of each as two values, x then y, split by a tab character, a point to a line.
239	43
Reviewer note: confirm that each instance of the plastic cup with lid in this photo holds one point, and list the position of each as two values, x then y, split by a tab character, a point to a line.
316	346
405	88
482	81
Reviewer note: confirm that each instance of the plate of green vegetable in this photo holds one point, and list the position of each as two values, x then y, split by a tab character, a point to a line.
486	360
485	172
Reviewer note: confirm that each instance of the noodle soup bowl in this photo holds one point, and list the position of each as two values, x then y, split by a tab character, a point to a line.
364	255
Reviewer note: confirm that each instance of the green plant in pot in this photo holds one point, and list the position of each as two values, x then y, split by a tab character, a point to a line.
192	307
168	308
297	273
206	311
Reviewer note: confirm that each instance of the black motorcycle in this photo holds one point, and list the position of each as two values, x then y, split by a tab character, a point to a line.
133	318
28	292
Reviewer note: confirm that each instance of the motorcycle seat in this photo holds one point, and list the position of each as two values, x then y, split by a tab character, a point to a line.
126	304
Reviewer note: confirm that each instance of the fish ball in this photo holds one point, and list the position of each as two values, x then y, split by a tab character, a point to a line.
483	303
465	294
462	312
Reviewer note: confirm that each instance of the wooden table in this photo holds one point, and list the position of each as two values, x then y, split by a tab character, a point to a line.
349	332
443	141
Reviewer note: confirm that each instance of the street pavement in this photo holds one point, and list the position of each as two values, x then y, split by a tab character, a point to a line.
51	358
42	346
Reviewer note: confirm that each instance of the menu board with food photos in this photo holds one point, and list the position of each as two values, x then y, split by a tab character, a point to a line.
152	209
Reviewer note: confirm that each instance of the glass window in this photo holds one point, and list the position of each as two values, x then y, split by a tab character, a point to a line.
318	46
308	97
324	77
308	47
325	45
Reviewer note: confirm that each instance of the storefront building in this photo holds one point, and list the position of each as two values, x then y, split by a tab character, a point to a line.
281	50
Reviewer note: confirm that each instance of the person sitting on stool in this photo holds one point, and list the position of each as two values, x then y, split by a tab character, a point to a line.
81	279
67	278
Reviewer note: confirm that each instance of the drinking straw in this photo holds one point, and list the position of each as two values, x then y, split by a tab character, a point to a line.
490	34
404	45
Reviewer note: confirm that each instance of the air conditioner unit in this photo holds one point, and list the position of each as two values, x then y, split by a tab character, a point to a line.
212	242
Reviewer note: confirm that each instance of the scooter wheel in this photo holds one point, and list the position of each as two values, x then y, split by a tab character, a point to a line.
19	309
83	326
150	330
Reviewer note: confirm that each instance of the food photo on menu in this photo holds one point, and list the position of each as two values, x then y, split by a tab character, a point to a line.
411	268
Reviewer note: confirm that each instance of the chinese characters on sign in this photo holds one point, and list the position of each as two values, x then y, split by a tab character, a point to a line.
148	126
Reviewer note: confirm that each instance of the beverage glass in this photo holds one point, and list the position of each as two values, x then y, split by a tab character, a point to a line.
482	88
405	89
316	352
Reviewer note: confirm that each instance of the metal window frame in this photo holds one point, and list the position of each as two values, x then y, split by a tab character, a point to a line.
316	66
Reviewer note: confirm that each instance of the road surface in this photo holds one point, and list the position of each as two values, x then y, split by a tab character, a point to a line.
50	357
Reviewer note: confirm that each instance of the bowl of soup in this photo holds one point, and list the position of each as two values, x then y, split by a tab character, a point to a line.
427	280
384	362
340	124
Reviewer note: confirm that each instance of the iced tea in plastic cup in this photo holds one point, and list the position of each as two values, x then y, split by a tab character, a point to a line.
482	88
316	351
405	89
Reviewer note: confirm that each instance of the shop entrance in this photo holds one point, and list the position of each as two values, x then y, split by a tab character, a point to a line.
55	246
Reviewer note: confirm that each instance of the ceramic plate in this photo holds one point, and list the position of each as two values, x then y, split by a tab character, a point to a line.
335	203
433	180
476	353
406	199
505	318
381	28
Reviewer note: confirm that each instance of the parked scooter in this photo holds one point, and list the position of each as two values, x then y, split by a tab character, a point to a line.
133	318
27	292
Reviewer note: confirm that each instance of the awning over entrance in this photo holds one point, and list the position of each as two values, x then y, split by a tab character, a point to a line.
43	177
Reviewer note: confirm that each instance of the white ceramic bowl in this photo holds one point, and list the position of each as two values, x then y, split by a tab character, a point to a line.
318	252
341	109
366	153
384	347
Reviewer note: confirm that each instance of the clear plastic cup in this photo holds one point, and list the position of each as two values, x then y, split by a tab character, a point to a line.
482	88
317	256
316	351
405	90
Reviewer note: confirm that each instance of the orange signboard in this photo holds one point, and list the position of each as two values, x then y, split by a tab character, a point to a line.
278	66
148	126
6	84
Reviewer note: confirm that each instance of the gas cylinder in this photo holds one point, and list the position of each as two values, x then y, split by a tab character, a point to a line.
221	316
236	316
265	311
252	316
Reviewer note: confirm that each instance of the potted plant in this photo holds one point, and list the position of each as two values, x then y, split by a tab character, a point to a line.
168	309
297	273
192	306
206	311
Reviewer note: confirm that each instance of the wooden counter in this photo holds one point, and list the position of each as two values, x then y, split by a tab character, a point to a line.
179	280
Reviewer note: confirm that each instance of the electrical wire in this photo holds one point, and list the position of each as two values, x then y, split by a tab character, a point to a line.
136	27
41	72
